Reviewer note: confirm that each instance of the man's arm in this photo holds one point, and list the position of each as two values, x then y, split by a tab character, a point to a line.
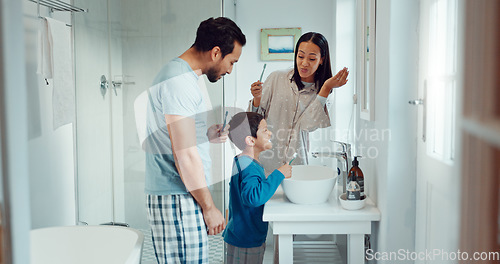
188	162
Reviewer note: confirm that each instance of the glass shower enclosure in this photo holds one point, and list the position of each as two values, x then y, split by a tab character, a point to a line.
120	45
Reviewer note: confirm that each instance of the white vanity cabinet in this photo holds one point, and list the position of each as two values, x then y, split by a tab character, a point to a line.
288	219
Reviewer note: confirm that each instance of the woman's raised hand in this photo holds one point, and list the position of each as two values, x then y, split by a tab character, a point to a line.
256	90
336	81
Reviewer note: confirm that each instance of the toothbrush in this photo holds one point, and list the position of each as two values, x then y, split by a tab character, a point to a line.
262	74
225	119
293	158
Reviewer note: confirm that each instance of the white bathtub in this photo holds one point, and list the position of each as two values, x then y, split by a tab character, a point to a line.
86	244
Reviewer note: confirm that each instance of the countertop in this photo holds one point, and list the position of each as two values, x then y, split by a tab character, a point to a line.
279	208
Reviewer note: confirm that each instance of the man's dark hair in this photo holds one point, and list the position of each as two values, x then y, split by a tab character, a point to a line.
242	125
324	71
218	32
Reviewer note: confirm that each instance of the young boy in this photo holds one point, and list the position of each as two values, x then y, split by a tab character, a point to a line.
249	189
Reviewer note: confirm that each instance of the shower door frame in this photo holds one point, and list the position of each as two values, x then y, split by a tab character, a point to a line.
94	29
123	177
14	176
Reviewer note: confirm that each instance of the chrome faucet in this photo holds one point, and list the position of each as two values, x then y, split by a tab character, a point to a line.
343	157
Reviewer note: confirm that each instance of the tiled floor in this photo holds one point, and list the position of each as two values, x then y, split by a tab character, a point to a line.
308	252
303	251
315	252
148	254
216	252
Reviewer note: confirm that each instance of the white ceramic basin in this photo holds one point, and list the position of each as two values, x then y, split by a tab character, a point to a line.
309	184
86	244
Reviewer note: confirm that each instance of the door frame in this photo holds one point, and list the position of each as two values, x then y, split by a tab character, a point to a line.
14	174
436	180
480	128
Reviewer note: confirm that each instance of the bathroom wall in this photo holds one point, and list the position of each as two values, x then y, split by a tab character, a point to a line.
389	141
14	192
51	152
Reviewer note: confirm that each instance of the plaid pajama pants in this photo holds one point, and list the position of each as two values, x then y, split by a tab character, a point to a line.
178	229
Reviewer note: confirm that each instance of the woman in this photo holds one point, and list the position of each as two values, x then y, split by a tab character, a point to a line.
293	101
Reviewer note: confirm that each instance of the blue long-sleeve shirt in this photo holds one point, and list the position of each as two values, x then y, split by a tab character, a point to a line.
249	190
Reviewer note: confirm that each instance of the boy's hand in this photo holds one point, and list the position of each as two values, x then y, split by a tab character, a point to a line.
286	170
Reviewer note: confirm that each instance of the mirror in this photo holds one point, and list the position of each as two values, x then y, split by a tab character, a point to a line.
134	40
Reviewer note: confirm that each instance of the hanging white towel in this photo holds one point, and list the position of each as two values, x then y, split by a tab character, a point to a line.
63	96
44	51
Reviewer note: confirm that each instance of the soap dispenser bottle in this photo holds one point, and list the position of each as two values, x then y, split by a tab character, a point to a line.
353	189
355	170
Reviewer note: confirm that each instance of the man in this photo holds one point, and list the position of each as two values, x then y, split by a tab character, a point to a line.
180	207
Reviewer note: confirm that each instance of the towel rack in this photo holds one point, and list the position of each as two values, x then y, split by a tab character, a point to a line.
57	5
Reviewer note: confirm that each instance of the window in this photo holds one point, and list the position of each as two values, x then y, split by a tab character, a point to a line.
441	80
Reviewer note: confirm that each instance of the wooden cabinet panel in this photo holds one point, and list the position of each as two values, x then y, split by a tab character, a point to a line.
480	157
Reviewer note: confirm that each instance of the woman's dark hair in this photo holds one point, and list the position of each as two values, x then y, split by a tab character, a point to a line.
221	32
324	71
242	125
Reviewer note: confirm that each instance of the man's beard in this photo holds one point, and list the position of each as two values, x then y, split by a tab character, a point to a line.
213	74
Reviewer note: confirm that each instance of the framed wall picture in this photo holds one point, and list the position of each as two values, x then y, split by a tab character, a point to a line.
278	43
